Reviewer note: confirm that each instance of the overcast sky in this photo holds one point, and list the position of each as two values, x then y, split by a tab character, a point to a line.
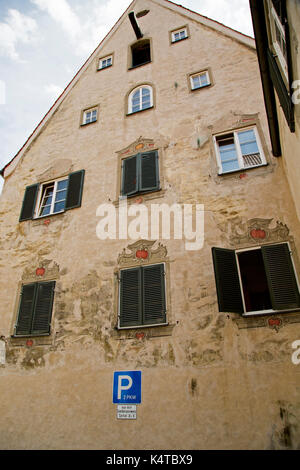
43	43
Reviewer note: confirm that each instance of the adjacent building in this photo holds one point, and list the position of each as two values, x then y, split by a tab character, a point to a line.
147	226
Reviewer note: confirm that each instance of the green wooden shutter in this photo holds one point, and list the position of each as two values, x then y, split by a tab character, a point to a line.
26	308
29	201
154	303
43	308
227	281
130	297
149	179
74	192
281	277
130	175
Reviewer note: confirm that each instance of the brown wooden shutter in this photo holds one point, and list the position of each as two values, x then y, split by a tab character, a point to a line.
281	277
227	281
26	308
149	179
154	304
43	308
75	188
130	297
29	201
130	175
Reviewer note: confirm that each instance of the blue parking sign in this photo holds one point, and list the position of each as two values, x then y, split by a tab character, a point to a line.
127	387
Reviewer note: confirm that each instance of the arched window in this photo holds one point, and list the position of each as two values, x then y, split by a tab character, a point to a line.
140	98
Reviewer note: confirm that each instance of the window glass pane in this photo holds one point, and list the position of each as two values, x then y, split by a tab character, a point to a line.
61	195
45	210
230	166
248	142
59	206
203	79
62	185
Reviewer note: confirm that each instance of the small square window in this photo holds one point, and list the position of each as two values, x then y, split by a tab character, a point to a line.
90	115
200	80
239	150
179	34
105	62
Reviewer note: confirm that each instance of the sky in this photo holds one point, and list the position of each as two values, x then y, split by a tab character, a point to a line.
43	43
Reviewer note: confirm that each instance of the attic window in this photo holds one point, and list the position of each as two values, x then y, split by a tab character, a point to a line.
179	34
105	62
140	53
200	80
90	115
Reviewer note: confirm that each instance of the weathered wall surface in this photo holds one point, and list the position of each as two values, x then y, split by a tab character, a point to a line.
209	379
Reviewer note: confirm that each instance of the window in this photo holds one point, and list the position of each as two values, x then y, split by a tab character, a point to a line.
90	115
105	62
239	150
140	98
142	296
140	53
261	279
179	34
200	80
278	35
35	309
140	174
41	200
53	198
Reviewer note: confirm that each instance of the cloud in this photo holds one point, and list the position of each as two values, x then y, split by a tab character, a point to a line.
62	13
53	90
16	29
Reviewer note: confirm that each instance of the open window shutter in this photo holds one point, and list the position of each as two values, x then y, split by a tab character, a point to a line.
227	281
129	176
281	277
29	201
149	179
130	297
154	303
43	308
75	187
26	309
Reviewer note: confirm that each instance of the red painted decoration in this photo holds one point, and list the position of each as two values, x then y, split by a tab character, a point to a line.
258	233
142	254
274	321
40	271
139	200
140	335
243	175
47	222
29	343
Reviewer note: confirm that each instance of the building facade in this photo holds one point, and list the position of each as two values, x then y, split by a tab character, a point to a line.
276	26
167	114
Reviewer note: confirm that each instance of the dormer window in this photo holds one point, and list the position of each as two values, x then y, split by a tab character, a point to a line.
140	53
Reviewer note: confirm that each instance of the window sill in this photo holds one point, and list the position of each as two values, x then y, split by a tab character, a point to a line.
140	65
269	312
145	331
201	87
41	220
179	40
34	340
88	123
140	111
242	170
104	68
139	198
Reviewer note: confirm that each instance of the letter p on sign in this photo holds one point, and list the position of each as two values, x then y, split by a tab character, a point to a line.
127	387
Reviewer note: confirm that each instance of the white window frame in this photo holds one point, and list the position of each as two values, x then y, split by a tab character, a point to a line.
262	312
238	150
90	110
275	21
178	31
139	88
40	198
105	59
199	74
